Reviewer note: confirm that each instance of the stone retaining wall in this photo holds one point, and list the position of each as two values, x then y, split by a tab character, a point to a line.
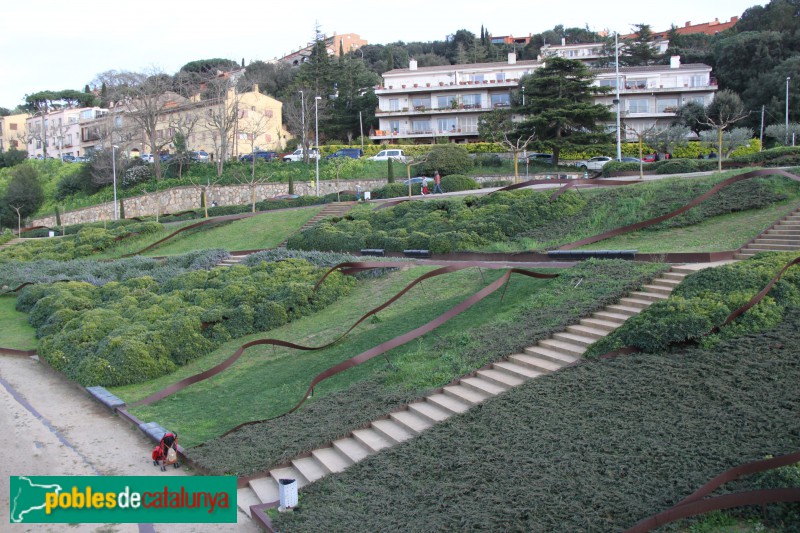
184	198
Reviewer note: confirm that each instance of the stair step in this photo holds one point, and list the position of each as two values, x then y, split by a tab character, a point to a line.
332	460
430	411
575	338
310	468
498	377
648	296
483	386
466	394
610	317
587	331
410	420
742	256
514	369
779	239
351	448
624	310
658	289
538	363
629	301
392	430
556	356
449	403
575	350
371	439
245	497
288	472
265	489
682	270
783	231
771	247
673	276
600	324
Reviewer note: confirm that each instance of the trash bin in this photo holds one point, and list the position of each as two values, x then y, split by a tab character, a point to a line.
287	492
51	233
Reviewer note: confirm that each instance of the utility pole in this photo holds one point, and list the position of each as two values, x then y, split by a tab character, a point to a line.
303	120
761	136
361	126
788	78
619	103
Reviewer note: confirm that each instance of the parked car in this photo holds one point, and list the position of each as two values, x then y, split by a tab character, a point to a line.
649	158
165	157
595	163
199	156
385	155
419	180
285	197
629	160
355	153
81	159
260	154
297	155
147	158
68	158
535	157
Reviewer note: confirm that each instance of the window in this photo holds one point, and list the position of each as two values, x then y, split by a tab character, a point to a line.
667	105
669	82
444	102
477	78
608	83
500	76
468	124
639	106
394	104
12	127
633	83
501	100
420	104
421	126
394	125
471	101
698	80
446	125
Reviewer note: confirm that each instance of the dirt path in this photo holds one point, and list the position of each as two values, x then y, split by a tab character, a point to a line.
48	426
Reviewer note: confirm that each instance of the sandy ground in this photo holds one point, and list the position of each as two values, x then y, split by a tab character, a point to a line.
48	426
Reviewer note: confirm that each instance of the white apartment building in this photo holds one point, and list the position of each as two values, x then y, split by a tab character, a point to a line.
444	101
651	95
421	104
60	130
589	53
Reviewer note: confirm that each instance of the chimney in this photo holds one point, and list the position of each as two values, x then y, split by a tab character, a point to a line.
255	87
563	41
412	64
675	62
688	23
512	58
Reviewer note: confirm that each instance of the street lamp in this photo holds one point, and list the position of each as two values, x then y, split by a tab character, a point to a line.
316	129
788	78
617	100
114	171
303	118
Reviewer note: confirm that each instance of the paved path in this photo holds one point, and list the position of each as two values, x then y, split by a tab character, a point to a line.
48	426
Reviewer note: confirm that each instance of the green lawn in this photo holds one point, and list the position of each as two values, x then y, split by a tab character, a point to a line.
15	332
722	233
267	381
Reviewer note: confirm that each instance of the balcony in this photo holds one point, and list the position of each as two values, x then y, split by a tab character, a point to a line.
445	86
383	135
420	110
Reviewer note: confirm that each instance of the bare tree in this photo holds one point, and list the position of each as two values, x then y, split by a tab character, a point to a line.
298	113
222	118
205	185
339	164
252	183
641	135
412	162
498	127
183	124
725	110
253	125
146	98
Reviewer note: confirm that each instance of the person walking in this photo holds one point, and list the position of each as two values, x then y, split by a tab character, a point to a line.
437	182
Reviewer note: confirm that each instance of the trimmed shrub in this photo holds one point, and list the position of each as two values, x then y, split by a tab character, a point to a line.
447	159
455	182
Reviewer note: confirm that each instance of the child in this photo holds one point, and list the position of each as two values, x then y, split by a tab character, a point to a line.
425	189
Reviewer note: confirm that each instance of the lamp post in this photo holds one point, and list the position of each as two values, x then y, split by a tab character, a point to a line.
114	171
617	101
316	130
788	78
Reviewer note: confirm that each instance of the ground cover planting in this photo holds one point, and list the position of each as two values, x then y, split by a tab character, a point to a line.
15	333
255	388
595	447
138	329
525	219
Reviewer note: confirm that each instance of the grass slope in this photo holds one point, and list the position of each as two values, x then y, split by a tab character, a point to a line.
15	332
591	448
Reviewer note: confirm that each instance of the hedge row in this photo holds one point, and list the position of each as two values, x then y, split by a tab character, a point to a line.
87	241
704	300
137	329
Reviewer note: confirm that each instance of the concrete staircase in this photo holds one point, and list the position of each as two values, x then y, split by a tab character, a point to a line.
784	236
547	356
233	259
12	242
333	209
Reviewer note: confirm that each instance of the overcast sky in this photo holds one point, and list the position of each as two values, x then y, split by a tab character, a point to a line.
48	44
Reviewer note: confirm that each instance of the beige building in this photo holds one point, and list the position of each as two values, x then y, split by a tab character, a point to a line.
12	132
346	41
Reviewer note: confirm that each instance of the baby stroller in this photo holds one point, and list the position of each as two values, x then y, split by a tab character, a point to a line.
166	452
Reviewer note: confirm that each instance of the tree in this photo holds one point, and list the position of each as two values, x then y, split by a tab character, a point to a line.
497	127
272	78
725	110
783	136
692	116
222	118
411	162
252	126
731	140
668	139
252	183
559	107
639	51
146	98
24	195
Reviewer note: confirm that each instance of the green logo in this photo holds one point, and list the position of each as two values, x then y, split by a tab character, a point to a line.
122	499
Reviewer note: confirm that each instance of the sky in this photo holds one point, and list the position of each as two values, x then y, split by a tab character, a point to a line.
54	45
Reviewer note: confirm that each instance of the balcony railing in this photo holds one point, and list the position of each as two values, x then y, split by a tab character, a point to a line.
410	132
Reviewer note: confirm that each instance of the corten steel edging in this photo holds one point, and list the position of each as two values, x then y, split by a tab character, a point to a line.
14	351
694	504
646	223
261	518
684	257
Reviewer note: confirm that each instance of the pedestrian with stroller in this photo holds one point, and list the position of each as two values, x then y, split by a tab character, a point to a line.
437	182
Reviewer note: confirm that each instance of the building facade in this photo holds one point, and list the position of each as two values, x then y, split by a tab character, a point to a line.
57	133
423	104
346	41
12	132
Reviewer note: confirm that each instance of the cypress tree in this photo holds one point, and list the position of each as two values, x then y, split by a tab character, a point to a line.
58	217
390	171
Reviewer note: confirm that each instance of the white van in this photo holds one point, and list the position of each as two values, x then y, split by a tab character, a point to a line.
384	155
297	155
